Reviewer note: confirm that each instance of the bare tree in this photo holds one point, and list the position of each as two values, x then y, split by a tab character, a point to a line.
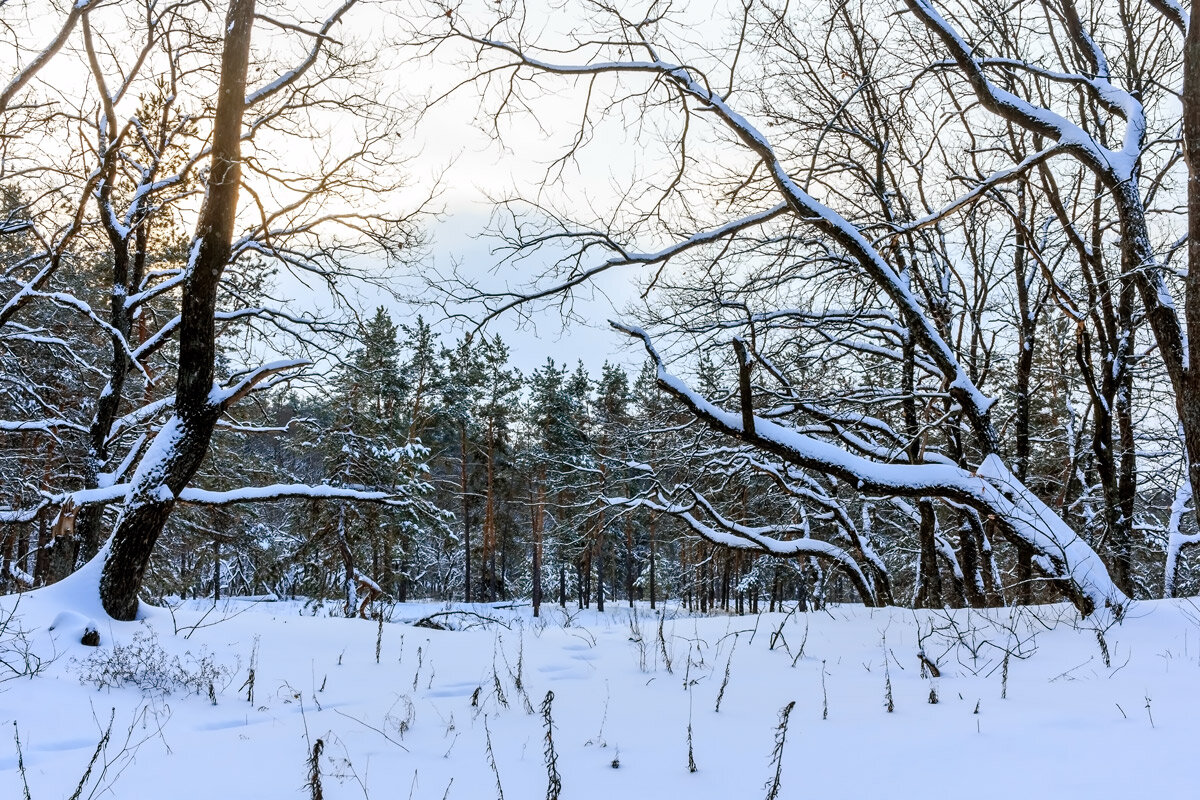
859	199
152	148
1191	148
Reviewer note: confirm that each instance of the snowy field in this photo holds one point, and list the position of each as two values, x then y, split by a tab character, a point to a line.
1030	703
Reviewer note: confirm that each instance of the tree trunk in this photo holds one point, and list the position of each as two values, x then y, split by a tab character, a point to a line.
600	563
1190	411
537	519
972	579
181	445
929	578
1023	375
653	587
1024	575
466	509
488	550
350	588
629	561
1191	150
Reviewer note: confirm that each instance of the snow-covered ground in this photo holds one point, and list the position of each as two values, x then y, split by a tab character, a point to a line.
1054	720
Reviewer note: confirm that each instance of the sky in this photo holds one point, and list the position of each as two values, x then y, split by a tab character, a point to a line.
457	239
457	141
455	145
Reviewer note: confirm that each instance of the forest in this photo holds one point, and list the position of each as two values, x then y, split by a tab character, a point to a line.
914	312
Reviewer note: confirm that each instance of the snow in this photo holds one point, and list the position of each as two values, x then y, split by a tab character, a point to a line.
150	475
1120	164
224	395
1044	724
40	425
277	491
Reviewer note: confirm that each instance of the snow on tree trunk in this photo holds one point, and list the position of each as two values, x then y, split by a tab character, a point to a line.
1190	410
180	447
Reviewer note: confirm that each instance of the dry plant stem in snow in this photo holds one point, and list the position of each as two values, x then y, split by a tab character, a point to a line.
635	636
691	752
725	680
516	675
1103	647
314	771
100	746
497	687
777	752
553	779
249	684
888	702
803	642
21	760
824	694
491	759
662	644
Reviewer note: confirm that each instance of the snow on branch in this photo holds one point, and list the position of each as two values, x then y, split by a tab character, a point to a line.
310	58
273	373
807	208
1114	166
992	489
1174	12
766	539
286	491
71	301
40	425
140	416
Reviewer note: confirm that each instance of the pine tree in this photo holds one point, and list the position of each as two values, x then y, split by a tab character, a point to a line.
423	377
463	378
496	412
551	446
610	421
369	449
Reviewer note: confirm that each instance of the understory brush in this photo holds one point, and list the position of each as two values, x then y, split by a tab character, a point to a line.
142	663
18	657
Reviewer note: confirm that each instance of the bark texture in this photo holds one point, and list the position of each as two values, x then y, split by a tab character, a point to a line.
182	444
1189	405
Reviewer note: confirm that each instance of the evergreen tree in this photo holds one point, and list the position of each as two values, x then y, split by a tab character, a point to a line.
369	449
551	450
464	375
423	376
495	411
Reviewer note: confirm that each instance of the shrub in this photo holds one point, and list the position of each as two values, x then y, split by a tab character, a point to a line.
144	664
